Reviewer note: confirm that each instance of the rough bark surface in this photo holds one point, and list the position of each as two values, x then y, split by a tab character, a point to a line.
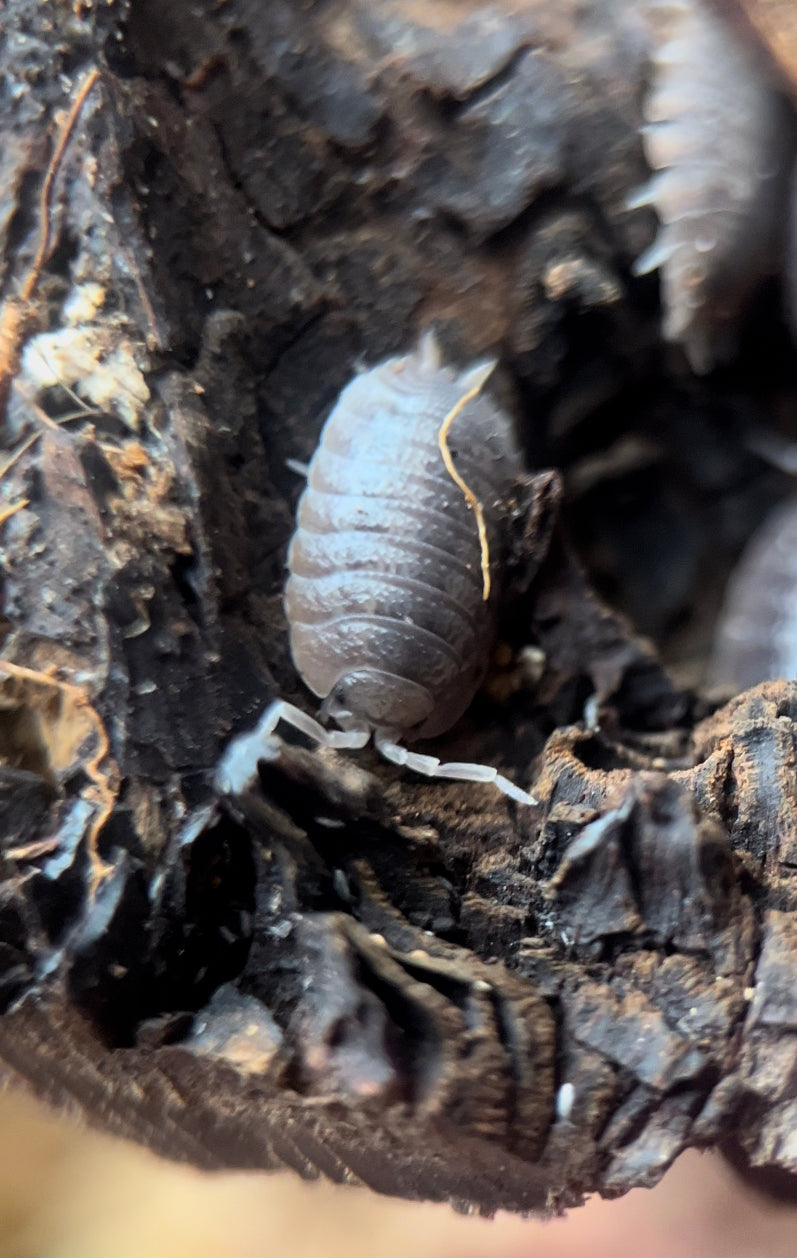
413	985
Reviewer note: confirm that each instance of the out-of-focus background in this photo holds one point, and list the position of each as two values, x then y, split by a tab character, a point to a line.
70	1193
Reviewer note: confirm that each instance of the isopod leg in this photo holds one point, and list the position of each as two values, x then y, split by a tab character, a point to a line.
237	769
455	770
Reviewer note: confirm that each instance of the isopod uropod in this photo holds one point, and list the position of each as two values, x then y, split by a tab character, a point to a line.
386	599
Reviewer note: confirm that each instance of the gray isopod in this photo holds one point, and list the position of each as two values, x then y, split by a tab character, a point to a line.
719	145
757	632
389	623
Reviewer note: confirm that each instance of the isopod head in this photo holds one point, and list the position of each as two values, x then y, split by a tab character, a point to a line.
380	699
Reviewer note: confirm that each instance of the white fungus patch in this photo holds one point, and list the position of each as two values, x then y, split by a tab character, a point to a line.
97	359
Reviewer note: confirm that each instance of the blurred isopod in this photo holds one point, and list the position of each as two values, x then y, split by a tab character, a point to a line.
756	637
719	140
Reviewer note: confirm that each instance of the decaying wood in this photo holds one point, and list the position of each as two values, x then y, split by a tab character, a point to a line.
346	970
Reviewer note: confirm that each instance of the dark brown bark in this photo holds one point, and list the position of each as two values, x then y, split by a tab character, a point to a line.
439	994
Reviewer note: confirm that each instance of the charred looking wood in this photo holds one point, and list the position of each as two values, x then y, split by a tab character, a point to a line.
342	969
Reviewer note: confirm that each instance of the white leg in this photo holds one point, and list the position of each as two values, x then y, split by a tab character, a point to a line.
341	739
459	771
237	769
592	716
346	739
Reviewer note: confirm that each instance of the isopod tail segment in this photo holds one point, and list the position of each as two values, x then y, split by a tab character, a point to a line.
237	768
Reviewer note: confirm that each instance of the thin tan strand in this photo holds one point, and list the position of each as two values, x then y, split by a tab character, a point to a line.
17	315
470	497
32	851
18	453
12	510
46	196
44	419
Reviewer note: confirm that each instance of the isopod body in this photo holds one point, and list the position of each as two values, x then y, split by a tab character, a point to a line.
757	634
388	623
719	142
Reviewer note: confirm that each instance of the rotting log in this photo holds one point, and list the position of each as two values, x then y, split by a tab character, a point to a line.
439	995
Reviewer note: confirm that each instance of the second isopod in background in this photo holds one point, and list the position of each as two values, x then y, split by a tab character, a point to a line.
720	143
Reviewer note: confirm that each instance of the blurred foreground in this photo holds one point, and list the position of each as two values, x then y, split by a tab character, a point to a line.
66	1193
